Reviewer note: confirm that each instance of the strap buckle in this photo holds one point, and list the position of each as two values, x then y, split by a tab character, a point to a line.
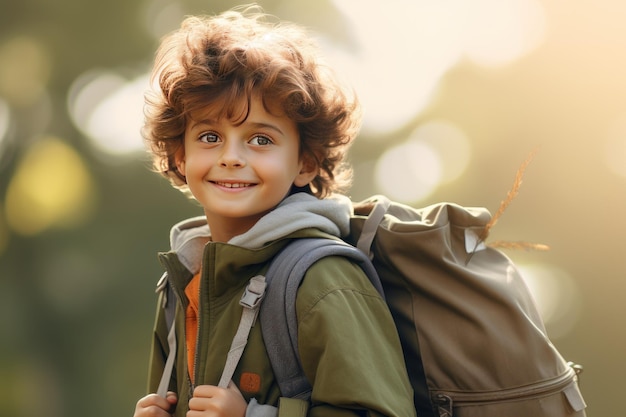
254	293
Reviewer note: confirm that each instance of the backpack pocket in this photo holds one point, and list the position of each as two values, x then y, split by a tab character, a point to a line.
557	397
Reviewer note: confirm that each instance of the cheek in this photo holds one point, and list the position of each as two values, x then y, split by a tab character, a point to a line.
198	162
285	166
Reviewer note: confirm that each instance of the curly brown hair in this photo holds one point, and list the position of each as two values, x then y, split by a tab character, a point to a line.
222	61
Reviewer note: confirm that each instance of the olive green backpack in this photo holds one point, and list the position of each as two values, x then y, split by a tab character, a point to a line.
473	340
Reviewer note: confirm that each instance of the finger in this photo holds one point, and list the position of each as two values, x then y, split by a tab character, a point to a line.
199	404
206	391
152	399
171	397
152	404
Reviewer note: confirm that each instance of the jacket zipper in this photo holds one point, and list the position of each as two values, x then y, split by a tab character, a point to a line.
447	400
199	342
179	298
196	360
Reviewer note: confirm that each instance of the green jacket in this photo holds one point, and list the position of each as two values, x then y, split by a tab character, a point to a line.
348	344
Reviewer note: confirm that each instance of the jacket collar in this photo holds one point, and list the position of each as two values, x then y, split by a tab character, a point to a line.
297	212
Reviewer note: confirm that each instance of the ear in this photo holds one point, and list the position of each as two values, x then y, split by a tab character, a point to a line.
308	171
179	159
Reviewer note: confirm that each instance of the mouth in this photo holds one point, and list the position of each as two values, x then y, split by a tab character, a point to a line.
232	184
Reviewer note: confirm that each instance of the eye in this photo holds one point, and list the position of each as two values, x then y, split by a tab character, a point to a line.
261	140
208	137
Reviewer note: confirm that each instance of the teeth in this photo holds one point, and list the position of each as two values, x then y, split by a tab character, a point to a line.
232	185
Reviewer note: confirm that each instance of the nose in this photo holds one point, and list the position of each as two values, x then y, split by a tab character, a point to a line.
232	155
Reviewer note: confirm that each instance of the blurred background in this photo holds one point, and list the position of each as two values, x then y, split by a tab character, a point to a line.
456	93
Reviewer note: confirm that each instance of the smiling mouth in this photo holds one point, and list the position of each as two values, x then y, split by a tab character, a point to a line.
232	184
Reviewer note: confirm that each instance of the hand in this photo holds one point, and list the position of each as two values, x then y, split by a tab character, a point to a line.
212	401
154	405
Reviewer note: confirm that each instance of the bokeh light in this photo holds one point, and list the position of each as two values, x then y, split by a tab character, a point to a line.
449	142
408	172
108	109
25	70
416	70
51	187
434	154
557	296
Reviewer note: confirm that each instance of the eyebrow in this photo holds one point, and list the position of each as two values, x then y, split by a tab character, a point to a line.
252	124
261	125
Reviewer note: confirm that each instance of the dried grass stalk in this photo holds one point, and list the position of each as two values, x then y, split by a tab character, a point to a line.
503	244
510	196
504	204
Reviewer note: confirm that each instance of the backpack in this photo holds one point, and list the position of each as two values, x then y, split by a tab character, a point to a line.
473	341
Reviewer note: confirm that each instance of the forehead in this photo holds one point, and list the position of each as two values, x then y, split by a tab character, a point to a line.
237	110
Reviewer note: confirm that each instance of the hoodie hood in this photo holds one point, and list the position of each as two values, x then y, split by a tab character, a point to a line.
296	212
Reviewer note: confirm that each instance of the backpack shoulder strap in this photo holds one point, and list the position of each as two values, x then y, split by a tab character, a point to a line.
371	224
250	301
278	313
169	306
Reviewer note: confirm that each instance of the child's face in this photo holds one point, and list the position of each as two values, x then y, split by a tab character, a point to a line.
240	172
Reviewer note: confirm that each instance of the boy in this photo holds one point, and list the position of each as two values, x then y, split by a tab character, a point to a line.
255	128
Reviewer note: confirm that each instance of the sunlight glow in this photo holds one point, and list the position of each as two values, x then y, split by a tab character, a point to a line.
395	66
557	296
51	187
501	31
403	49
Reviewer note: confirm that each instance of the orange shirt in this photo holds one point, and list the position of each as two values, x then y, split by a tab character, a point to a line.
192	291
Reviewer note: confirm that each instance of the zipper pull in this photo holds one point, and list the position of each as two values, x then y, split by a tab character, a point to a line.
444	405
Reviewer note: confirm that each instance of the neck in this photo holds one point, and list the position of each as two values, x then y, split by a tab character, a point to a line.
225	228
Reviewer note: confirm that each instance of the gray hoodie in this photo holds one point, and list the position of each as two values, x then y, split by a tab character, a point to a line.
296	212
